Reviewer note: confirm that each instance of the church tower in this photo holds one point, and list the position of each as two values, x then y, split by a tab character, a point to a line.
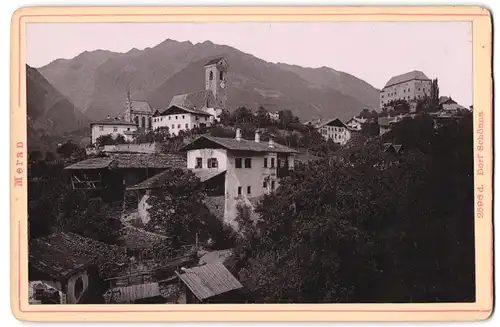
215	80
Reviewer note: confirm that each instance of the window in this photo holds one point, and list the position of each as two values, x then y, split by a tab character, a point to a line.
264	184
199	163
169	117
212	163
249	190
173	126
196	117
206	118
186	125
128	129
239	190
143	121
182	116
272	162
248	162
272	185
238	162
221	75
175	117
178	125
101	128
279	163
162	118
211	75
115	129
265	162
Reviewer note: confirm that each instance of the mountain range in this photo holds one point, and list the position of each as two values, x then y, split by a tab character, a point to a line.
95	82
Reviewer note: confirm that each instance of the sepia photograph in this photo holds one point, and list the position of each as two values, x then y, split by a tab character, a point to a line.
250	162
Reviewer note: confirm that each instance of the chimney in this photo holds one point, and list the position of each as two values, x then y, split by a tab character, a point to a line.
238	134
257	136
271	141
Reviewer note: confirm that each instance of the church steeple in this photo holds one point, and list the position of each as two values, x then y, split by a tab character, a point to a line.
215	79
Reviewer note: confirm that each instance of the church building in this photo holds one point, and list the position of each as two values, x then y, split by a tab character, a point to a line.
138	112
197	109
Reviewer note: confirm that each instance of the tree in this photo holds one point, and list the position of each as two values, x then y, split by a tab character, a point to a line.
67	149
366	231
159	135
35	155
242	115
262	117
110	140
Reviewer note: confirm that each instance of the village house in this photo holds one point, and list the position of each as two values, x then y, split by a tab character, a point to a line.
107	176
138	112
62	262
113	127
251	168
356	123
197	109
335	130
275	116
449	105
410	87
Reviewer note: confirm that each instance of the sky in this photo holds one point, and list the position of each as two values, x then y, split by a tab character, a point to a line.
372	51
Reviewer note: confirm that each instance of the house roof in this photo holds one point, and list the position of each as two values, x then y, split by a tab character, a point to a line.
206	174
395	147
413	75
112	122
335	121
214	61
136	238
160	180
141	106
148	160
181	108
194	100
60	255
132	293
93	163
445	99
235	145
209	280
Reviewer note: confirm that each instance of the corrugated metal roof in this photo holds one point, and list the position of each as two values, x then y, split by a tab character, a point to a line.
416	74
209	280
233	144
133	293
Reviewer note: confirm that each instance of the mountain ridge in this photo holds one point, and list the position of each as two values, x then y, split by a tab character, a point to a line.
96	81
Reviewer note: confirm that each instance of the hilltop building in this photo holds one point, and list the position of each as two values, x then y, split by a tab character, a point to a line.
334	129
409	87
200	108
450	105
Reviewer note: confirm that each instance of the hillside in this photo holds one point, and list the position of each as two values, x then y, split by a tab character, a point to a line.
96	81
49	112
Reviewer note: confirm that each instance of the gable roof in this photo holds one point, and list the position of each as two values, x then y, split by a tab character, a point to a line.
413	75
209	280
175	107
92	163
60	255
214	61
445	99
112	122
141	106
194	100
337	122
235	145
148	160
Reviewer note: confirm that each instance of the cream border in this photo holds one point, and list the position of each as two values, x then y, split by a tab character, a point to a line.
483	92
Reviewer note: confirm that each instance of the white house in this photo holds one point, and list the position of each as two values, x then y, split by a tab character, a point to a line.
356	123
178	118
335	130
410	87
251	168
113	127
450	105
